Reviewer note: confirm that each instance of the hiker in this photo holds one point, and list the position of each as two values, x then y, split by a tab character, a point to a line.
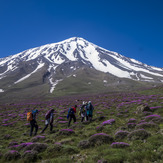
33	122
71	114
49	120
82	111
89	111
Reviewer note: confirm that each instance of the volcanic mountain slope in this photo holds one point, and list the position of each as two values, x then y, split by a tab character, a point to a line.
72	66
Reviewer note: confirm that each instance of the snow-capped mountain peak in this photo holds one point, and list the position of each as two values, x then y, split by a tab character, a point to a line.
80	52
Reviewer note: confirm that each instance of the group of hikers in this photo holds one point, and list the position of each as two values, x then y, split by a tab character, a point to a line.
85	111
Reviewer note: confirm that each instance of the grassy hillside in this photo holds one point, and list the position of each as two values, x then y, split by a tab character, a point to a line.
126	127
81	81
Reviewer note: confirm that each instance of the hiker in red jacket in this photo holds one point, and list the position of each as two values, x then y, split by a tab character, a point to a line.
71	114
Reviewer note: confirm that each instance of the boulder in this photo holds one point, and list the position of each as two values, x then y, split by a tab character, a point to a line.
142	108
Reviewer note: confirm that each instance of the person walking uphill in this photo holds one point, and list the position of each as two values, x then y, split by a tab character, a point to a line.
71	115
82	111
31	116
49	120
89	110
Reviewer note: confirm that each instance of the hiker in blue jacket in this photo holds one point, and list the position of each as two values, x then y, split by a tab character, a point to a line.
33	122
89	111
49	117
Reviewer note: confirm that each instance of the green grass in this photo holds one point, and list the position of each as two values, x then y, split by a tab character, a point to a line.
110	105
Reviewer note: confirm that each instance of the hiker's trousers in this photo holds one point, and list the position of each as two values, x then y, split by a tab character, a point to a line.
33	125
70	118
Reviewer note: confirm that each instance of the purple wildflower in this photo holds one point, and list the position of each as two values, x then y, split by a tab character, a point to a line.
60	118
119	145
5	120
26	144
132	120
156	107
100	112
62	121
121	131
28	151
153	116
58	143
13	151
4	124
100	134
70	130
27	124
110	121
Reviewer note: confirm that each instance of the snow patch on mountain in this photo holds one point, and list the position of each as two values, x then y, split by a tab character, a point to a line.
1	90
53	84
108	67
136	67
10	67
145	77
27	76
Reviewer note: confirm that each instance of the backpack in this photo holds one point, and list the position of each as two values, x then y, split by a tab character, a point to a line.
90	107
47	115
71	111
82	109
29	116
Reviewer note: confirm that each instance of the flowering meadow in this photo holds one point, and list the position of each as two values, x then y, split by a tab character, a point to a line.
126	127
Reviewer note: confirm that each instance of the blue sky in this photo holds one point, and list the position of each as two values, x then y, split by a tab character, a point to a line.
133	28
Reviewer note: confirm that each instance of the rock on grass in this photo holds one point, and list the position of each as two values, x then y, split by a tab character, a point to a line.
142	108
